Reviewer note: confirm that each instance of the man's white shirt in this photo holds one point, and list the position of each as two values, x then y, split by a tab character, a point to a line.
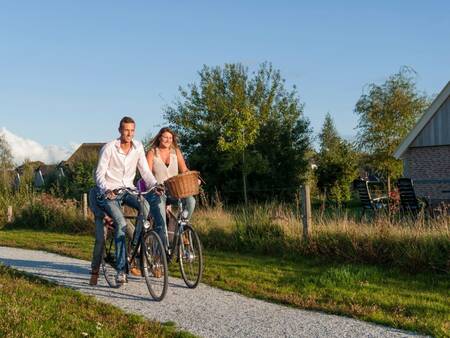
116	169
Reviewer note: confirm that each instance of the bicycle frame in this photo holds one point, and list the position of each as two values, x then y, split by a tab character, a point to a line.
181	222
148	250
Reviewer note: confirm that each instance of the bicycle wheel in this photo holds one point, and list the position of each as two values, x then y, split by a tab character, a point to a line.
109	260
154	265
190	257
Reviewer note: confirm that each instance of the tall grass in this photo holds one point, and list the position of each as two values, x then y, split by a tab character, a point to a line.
412	244
14	199
274	228
43	212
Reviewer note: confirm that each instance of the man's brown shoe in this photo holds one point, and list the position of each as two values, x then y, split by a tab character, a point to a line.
135	271
94	277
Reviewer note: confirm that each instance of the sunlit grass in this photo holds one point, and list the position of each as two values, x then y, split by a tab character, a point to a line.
338	235
418	302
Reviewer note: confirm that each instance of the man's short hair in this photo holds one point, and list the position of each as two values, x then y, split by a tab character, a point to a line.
126	119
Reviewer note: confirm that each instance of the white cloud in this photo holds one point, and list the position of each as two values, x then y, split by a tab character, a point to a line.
22	148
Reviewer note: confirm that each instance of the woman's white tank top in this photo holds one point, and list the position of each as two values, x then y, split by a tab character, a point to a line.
160	170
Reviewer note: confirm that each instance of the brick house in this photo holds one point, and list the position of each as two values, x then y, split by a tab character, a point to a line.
426	151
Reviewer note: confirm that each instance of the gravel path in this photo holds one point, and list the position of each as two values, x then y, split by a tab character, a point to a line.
205	311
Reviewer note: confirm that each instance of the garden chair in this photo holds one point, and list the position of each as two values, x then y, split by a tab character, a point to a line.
409	203
368	203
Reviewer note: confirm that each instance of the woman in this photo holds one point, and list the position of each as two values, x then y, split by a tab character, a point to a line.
165	160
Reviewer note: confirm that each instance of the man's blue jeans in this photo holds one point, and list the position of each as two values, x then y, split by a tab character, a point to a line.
158	210
99	214
114	210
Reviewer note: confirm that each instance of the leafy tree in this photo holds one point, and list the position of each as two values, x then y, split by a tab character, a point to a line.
6	161
387	113
78	179
234	125
336	162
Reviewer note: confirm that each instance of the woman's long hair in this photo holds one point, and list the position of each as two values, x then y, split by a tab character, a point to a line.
156	140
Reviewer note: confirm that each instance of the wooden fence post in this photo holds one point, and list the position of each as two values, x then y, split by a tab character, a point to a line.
306	211
10	214
85	208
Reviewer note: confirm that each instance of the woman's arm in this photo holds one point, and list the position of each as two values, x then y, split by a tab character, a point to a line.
150	156
182	168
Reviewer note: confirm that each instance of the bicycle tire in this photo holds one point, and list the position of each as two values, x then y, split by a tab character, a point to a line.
190	257
108	263
154	265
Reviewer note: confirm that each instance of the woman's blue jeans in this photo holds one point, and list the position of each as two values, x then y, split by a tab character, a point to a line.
158	211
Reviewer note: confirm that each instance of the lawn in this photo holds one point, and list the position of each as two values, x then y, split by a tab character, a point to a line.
418	302
32	307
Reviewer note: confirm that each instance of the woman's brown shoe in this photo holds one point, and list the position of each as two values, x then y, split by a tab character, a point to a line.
185	237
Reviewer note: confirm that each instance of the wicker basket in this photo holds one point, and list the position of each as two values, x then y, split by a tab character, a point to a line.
183	185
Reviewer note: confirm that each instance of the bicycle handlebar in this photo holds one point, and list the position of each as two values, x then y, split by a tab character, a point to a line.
135	191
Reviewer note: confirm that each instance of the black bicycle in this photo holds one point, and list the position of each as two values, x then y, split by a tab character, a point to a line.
184	244
148	256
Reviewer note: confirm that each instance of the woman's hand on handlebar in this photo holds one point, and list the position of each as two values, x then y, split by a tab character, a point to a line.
159	189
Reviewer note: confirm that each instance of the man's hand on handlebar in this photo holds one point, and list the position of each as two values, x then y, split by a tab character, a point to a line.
110	194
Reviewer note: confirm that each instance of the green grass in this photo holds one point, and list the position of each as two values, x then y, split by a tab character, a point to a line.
77	246
418	302
33	307
387	296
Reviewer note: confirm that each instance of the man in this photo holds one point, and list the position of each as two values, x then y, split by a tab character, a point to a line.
116	169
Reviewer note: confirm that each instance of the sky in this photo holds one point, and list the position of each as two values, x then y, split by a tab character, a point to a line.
70	70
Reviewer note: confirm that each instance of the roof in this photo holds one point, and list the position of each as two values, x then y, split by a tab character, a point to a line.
47	168
426	117
31	164
85	152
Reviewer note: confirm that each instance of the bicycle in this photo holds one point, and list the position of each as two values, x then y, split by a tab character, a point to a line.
149	254
184	243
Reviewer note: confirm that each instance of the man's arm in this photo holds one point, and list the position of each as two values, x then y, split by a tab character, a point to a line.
144	169
102	166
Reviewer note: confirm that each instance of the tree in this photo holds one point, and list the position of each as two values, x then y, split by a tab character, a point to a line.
236	126
387	113
336	162
78	178
6	161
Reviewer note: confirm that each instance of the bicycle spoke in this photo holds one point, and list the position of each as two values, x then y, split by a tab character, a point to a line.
190	257
154	264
